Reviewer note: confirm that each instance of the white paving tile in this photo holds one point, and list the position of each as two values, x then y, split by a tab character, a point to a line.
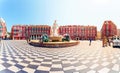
48	58
104	70
81	67
91	71
114	61
76	72
94	61
14	69
38	59
116	67
10	62
85	62
2	67
46	62
28	59
29	70
1	61
56	71
34	63
56	66
74	62
44	68
9	58
17	59
105	63
23	64
94	66
66	62
68	68
55	60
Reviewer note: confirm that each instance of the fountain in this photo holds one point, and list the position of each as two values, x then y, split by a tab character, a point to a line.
55	37
54	40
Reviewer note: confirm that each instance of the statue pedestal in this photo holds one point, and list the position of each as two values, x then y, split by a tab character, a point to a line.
55	38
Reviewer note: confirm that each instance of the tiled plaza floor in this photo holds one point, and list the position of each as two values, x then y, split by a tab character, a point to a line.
20	57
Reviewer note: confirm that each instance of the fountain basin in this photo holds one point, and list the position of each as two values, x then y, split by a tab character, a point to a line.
54	44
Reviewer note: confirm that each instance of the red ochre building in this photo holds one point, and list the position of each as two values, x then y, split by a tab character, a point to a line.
22	32
36	31
78	32
18	32
3	29
118	32
108	30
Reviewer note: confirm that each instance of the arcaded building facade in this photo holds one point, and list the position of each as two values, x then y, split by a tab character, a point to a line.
18	32
78	32
3	29
109	29
22	32
36	31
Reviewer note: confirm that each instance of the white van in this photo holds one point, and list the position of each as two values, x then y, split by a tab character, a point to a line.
116	41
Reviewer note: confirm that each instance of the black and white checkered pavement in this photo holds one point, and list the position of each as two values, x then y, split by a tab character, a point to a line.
20	57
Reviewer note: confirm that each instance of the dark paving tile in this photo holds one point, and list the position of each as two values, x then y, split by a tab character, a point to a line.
5	56
39	71
24	61
89	64
6	71
31	58
19	66
66	65
70	71
110	65
36	61
47	65
6	65
56	69
4	59
57	62
47	60
40	57
21	57
33	66
21	71
55	58
98	68
84	70
13	57
113	71
14	61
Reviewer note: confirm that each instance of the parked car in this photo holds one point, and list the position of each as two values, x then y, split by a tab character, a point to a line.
116	41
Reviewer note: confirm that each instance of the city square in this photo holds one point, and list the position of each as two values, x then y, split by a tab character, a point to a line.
17	56
59	36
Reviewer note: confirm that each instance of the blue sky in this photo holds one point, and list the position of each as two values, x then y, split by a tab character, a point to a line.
66	12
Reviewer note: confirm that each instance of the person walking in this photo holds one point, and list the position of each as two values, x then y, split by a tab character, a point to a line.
109	41
104	41
90	41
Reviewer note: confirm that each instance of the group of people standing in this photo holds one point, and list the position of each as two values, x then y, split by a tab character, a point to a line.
106	42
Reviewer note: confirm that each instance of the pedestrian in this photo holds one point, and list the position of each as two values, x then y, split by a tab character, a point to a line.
0	39
109	41
90	41
104	41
